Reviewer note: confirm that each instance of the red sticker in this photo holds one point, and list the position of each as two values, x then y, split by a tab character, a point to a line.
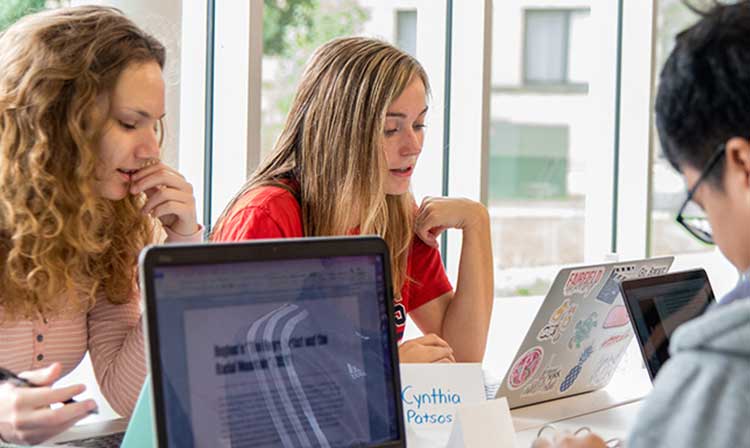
525	367
616	339
582	281
617	317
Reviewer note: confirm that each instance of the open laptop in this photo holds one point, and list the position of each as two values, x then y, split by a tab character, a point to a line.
658	305
273	343
266	343
579	335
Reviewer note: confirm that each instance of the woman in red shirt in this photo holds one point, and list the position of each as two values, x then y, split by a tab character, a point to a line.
343	165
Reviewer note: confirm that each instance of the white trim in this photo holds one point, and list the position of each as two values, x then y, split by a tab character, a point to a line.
190	157
634	193
470	110
255	89
598	223
431	34
234	99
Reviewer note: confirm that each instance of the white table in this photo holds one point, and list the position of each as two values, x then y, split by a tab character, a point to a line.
614	420
608	423
609	412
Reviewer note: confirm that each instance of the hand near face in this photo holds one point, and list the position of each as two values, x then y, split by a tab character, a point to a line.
169	197
437	214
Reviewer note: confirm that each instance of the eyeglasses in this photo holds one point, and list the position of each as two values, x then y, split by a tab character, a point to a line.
691	216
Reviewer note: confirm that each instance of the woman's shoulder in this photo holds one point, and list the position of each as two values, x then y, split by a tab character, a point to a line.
266	211
273	199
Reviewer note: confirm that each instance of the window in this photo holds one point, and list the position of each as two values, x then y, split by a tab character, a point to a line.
551	152
255	77
554	41
11	11
286	51
668	189
551	144
406	31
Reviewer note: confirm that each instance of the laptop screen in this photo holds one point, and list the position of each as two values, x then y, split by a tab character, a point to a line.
276	353
659	305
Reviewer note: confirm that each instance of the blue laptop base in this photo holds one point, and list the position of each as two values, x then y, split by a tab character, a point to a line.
140	432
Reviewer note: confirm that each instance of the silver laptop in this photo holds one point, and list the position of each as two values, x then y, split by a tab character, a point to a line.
579	334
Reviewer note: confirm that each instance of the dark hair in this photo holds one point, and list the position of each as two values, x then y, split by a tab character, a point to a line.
704	88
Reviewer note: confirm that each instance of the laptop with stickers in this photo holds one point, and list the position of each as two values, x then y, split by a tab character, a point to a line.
579	335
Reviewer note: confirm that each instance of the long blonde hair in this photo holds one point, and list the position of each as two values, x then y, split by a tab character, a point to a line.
332	146
61	244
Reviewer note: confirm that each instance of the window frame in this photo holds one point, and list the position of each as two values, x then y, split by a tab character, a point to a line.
620	211
564	84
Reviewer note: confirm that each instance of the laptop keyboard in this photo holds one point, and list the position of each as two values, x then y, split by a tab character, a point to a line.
108	441
490	390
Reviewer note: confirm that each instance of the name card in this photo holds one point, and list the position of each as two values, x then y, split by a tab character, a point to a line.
483	425
430	395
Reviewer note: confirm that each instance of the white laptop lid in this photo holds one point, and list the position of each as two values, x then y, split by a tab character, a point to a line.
579	334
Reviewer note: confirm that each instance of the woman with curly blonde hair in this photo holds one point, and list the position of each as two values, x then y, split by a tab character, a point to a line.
343	165
82	191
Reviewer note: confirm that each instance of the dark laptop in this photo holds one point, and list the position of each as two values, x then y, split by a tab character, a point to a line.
279	343
658	305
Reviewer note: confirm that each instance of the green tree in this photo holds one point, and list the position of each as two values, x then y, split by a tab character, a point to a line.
12	10
292	30
282	20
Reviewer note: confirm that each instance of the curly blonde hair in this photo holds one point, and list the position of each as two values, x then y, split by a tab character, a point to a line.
62	244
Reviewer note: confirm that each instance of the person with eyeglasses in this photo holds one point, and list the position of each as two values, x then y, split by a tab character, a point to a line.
701	397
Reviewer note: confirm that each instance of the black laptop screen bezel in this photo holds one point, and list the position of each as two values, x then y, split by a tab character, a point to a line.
254	251
631	304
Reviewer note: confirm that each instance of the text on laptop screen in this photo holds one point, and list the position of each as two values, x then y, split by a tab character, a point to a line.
276	353
658	309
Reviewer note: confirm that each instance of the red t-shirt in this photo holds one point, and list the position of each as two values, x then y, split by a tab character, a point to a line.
273	212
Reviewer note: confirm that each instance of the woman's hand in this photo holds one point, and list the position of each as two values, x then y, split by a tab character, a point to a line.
426	349
25	414
170	197
435	215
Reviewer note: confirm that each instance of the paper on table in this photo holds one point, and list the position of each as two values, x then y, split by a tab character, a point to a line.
430	394
483	425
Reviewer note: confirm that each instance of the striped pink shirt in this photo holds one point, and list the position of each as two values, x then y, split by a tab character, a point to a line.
113	335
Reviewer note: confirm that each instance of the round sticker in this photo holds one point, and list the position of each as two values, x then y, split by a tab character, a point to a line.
525	367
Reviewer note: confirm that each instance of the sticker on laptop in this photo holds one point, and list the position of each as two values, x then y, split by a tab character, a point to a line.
605	369
583	281
652	270
525	367
558	322
547	381
616	339
572	376
583	330
611	287
616	317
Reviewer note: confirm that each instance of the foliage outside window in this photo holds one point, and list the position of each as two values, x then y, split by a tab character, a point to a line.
292	30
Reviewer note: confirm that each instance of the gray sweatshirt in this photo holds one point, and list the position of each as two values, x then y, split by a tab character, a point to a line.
701	397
